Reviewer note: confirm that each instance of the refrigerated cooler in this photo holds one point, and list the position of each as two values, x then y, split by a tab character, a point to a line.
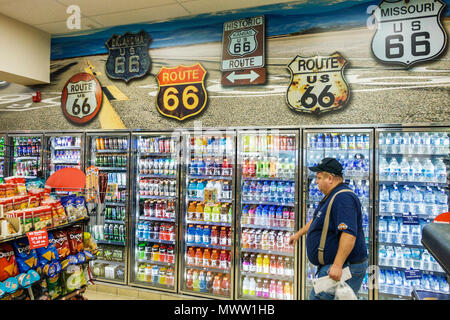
353	148
63	150
3	152
207	214
412	166
109	152
25	154
267	204
154	218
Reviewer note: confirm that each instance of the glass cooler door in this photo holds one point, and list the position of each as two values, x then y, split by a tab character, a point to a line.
412	189
267	210
109	152
353	149
154	245
207	228
3	153
26	154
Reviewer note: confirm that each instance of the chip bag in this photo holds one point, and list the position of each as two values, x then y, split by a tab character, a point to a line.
26	258
61	242
54	286
8	265
75	236
68	202
73	278
47	255
80	206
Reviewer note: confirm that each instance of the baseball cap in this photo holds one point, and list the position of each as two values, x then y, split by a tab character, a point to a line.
330	165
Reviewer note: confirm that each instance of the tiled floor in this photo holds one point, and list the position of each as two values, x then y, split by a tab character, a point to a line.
90	295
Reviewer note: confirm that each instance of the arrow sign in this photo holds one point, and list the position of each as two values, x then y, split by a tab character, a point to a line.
243	77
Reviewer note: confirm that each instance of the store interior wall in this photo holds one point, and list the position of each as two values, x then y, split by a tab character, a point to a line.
379	93
24	53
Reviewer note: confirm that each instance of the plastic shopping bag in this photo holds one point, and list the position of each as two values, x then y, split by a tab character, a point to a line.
344	292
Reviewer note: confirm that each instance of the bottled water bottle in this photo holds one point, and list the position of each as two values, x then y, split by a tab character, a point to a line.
444	142
366	190
404	146
434	143
390	256
416	171
351	185
382	229
384	169
429	199
425	261
416	234
273	191
406	196
406	258
441	200
397	141
404	170
394	170
359	189
440	171
310	212
393	229
388	141
405	234
428	171
443	285
384	198
382	255
394	196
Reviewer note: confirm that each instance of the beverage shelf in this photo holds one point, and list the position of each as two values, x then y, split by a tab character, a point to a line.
115	243
279	253
221	270
157	176
276	228
208	202
112	168
119	263
268	276
156	241
157	197
255	297
412	183
144	218
399	215
284	179
157	154
115	221
332	150
423	271
208	246
161	263
393	244
267	152
111	151
209	177
66	147
411	154
27	158
285	204
209	223
118	204
75	162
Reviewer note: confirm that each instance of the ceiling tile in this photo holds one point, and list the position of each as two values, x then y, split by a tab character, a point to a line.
34	12
61	27
100	7
142	15
207	6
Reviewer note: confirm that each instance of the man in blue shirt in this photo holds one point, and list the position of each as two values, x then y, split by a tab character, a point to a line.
345	244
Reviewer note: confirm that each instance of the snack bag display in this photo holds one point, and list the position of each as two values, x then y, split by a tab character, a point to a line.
26	258
48	257
61	242
73	278
54	286
80	207
8	265
25	280
90	245
68	202
75	236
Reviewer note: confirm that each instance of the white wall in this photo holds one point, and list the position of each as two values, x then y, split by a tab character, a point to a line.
24	53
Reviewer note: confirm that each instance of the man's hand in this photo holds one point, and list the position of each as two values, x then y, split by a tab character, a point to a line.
335	272
293	239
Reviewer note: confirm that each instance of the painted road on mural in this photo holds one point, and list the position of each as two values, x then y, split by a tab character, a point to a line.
373	85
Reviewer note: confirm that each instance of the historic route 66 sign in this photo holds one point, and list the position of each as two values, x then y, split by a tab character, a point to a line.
409	32
128	56
181	92
242	42
81	98
317	84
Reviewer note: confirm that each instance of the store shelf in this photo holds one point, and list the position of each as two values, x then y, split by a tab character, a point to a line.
111	151
73	293
83	220
118	263
117	204
285	204
248	297
115	221
399	215
114	243
144	218
157	154
156	241
279	253
413	183
160	263
157	176
209	177
275	228
219	201
413	246
267	153
428	272
268	179
74	162
209	223
27	158
411	154
209	246
189	266
268	276
337	151
66	147
112	168
157	197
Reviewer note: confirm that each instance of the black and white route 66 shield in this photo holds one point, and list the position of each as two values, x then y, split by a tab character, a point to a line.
408	32
242	42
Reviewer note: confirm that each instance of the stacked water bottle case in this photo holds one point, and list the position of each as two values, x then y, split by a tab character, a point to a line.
413	190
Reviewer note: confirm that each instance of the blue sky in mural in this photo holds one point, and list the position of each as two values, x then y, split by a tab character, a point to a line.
281	19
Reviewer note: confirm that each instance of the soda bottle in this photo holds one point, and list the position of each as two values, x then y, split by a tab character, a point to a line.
198	260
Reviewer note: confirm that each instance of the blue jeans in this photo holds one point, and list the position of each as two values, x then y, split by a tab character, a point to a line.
358	272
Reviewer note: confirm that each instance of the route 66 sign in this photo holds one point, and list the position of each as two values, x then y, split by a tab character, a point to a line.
317	84
181	92
242	42
81	98
408	32
128	56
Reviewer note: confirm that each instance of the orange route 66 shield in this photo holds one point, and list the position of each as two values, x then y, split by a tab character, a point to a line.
317	84
181	92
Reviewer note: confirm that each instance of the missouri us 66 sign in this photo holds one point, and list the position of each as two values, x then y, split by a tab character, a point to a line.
181	92
408	32
317	84
81	98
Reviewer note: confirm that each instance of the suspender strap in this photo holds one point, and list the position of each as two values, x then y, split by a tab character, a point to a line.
326	223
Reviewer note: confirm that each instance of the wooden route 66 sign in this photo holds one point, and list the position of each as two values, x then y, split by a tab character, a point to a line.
81	98
181	92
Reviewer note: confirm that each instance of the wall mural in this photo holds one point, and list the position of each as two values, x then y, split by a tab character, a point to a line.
380	92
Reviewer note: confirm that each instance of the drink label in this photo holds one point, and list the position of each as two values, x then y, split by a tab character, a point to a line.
413	274
410	218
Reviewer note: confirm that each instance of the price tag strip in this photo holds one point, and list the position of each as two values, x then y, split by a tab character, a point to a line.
408	32
81	98
317	84
181	92
128	56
